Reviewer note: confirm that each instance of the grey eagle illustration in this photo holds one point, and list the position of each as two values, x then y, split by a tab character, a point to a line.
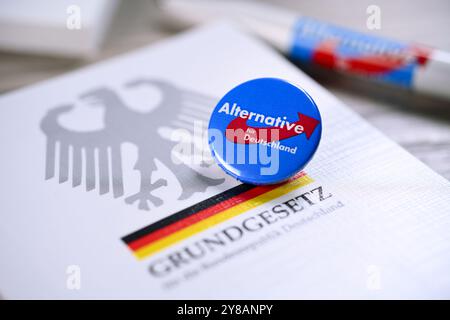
122	124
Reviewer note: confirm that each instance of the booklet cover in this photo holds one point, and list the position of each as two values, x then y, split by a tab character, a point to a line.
108	190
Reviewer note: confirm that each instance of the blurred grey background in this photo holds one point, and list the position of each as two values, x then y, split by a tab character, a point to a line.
420	124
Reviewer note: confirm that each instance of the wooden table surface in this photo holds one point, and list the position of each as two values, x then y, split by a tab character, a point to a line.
418	123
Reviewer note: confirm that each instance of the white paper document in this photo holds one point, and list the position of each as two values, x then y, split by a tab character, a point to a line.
71	28
97	203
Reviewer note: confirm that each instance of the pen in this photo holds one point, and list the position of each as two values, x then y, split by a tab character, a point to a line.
410	66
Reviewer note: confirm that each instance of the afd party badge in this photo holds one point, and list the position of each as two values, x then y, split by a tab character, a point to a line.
264	131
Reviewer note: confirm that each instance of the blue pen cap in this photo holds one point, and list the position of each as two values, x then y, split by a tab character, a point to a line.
264	131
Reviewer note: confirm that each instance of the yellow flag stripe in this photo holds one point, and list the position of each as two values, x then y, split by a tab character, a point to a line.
178	236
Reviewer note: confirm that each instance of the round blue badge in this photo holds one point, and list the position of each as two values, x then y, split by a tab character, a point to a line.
264	131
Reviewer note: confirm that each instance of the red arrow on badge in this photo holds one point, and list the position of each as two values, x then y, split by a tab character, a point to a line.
239	132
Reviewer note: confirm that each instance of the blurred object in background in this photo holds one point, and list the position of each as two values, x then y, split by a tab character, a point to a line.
311	41
72	28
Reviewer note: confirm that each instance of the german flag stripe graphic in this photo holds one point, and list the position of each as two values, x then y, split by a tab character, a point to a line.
206	214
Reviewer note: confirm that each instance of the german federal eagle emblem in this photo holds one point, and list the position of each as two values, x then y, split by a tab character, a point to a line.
94	159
